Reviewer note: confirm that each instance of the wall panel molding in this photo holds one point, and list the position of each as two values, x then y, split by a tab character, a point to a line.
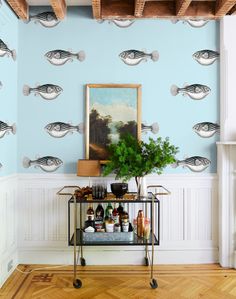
188	219
8	224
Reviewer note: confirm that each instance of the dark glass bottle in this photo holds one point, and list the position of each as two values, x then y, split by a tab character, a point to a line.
115	215
89	223
90	212
109	210
99	213
120	209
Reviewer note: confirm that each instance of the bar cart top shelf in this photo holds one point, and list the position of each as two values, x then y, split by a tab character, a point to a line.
129	197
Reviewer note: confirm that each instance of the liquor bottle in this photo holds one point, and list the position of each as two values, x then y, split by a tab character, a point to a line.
90	212
99	213
125	222
89	225
109	210
115	215
120	209
109	224
140	224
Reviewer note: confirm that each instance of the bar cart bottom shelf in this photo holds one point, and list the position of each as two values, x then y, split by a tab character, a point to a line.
136	241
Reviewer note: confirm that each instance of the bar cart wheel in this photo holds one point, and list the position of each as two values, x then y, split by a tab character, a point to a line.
153	284
82	261
77	284
146	261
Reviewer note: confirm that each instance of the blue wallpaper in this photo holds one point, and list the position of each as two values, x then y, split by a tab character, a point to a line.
92	54
8	91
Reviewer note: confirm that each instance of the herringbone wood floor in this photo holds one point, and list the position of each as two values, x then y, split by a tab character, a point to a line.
123	282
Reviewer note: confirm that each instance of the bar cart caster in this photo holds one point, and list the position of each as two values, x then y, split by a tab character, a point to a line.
77	284
82	261
153	284
146	261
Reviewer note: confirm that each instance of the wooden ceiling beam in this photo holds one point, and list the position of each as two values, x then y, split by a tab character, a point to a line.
59	7
96	6
20	7
139	7
181	7
223	7
117	9
233	10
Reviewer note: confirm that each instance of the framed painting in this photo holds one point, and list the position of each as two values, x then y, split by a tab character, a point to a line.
111	110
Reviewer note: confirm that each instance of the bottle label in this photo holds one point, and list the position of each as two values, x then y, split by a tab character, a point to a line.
116	219
90	216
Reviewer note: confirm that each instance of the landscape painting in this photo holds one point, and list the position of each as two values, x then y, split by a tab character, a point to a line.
112	110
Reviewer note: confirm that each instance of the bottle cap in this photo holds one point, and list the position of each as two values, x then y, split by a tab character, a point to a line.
140	213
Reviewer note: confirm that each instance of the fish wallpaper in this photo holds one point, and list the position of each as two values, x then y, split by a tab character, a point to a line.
59	129
206	129
47	19
134	57
194	91
60	57
47	164
46	91
5	51
158	54
8	91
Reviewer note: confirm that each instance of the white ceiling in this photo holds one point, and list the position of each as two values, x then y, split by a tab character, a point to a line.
68	2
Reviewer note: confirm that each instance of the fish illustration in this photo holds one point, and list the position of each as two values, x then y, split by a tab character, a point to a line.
206	129
46	91
1	84
154	128
195	163
6	129
0	166
206	57
60	129
60	57
194	91
196	23
47	163
122	23
47	19
134	57
4	50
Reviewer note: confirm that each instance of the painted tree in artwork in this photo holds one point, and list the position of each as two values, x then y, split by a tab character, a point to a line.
98	135
129	127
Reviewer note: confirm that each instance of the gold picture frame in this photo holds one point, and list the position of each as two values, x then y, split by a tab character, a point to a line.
111	110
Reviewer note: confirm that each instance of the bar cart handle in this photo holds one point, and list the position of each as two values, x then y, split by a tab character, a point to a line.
67	193
165	192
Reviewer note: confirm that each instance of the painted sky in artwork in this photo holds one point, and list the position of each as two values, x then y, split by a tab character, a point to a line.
119	103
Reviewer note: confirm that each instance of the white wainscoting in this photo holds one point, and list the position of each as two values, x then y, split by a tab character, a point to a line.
189	222
8	225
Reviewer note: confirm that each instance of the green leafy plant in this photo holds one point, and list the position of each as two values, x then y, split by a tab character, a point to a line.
133	158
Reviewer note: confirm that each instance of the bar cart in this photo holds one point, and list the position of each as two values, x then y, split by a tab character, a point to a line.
76	235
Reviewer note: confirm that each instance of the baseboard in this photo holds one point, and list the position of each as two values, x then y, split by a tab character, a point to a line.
8	264
117	256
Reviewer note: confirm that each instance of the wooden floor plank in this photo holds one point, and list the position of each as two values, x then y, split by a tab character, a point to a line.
122	282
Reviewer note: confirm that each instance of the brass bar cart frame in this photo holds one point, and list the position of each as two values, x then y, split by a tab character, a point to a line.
77	238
